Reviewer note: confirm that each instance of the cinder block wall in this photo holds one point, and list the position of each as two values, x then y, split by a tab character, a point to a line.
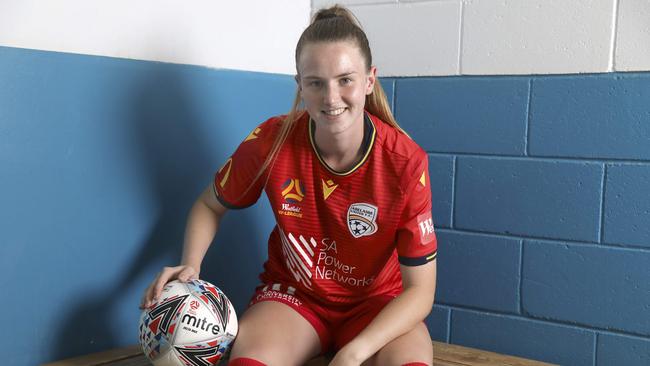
538	138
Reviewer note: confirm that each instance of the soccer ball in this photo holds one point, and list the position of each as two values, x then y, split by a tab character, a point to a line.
193	324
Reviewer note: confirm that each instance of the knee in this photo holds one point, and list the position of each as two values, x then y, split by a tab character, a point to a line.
384	357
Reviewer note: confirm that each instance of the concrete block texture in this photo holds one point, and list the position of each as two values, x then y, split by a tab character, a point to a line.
620	350
438	323
319	4
478	271
465	115
536	36
563	345
591	116
538	198
632	36
413	39
441	174
601	287
627	205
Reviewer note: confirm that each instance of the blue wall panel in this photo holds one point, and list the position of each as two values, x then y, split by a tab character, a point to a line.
441	174
478	271
599	286
101	160
438	323
622	350
541	341
600	116
466	115
529	197
627	205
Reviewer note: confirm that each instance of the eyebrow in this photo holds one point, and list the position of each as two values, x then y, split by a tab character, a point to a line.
337	76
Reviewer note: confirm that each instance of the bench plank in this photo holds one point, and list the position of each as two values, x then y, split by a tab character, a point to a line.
443	355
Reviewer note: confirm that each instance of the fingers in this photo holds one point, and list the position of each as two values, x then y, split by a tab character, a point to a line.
186	274
153	291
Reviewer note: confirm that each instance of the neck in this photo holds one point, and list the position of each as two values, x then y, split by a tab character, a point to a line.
343	150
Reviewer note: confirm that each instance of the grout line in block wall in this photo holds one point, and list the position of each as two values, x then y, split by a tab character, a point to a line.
528	114
544	240
612	51
539	320
521	277
595	357
453	192
449	325
394	94
549	158
603	185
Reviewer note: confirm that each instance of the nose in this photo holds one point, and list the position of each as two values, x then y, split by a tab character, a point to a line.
331	94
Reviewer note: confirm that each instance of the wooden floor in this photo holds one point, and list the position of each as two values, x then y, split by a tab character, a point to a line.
443	355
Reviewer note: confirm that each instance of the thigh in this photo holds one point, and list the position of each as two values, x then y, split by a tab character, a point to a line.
413	346
275	334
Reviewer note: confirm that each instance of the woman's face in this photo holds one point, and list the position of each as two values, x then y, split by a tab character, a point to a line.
333	83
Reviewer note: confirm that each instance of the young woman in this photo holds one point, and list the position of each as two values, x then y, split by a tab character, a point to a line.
351	264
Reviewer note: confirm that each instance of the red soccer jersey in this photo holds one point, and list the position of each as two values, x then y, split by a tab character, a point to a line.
339	236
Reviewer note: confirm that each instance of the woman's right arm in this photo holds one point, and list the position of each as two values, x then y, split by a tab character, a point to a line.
202	226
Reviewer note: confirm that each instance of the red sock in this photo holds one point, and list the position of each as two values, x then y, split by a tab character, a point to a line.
415	364
243	361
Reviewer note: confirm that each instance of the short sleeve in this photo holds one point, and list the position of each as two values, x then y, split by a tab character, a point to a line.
235	184
416	238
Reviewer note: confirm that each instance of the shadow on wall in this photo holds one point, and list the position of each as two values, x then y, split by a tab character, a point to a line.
176	162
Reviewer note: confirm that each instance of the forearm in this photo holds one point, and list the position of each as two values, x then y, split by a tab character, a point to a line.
398	317
202	226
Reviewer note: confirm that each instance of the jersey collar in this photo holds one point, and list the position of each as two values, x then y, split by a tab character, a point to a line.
369	133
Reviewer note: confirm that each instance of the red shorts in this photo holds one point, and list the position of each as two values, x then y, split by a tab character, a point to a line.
336	326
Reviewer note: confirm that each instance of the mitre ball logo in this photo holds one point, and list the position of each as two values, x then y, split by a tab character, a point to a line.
193	324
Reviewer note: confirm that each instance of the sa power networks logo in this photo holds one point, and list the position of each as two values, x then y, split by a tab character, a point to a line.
362	219
293	193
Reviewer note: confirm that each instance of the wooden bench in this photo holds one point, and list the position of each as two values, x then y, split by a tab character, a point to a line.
443	355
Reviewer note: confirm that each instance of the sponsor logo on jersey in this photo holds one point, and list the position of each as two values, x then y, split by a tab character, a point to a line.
298	255
293	193
328	188
253	135
427	231
309	260
423	179
362	219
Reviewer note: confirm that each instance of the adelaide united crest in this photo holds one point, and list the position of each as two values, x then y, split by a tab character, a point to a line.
362	219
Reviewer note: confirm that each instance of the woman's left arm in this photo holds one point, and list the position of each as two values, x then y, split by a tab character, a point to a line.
398	317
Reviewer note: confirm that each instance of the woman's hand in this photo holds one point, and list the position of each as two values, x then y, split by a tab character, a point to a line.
349	355
152	293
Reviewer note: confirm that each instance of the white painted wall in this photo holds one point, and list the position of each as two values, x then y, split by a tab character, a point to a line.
408	38
497	37
256	35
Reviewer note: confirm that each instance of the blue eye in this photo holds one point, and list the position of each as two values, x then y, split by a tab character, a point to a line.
314	83
346	81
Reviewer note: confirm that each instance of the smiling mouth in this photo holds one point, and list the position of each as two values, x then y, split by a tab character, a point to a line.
334	112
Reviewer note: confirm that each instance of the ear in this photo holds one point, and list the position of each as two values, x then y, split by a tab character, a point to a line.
372	78
297	78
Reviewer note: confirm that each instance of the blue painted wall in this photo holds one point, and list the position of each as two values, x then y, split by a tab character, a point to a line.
100	161
540	189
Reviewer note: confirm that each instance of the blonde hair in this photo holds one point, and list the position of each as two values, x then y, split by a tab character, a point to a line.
332	24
